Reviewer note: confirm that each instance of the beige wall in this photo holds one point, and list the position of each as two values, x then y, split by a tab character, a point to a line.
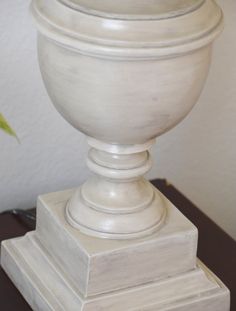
198	156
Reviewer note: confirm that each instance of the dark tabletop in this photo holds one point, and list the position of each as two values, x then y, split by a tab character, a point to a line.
216	249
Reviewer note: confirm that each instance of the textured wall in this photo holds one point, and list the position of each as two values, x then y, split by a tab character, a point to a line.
198	156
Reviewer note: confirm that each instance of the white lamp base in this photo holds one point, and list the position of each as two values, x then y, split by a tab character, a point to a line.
58	268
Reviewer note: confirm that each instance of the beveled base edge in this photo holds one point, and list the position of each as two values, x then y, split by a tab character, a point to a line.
46	287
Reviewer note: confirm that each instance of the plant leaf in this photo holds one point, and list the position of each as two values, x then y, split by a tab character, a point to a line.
6	127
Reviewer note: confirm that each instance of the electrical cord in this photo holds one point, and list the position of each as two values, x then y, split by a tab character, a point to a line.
26	217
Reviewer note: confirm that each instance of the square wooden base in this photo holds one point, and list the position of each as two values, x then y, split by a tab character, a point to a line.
58	268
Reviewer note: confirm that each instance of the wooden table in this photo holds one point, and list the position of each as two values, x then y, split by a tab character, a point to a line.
216	249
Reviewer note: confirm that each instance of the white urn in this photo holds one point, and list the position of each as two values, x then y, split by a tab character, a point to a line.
123	73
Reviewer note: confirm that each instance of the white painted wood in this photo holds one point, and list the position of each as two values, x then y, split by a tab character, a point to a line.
128	39
57	267
123	75
46	287
115	200
135	9
97	266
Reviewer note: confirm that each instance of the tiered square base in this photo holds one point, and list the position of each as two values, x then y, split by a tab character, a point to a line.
58	268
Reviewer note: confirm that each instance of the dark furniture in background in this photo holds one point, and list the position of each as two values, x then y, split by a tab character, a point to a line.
216	249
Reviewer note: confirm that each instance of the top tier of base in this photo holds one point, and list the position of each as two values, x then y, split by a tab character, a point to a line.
98	266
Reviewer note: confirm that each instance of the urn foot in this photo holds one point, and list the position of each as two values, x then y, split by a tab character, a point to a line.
117	202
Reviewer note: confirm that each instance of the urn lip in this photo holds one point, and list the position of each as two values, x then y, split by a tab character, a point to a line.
134	9
107	37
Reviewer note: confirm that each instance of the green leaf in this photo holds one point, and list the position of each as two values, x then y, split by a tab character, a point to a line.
6	127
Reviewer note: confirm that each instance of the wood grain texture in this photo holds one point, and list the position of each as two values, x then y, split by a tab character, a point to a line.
46	288
211	239
91	73
56	267
102	265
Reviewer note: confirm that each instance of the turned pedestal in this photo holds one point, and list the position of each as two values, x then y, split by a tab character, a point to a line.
123	73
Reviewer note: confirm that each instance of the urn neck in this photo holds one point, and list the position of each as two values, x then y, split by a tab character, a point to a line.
119	167
119	162
117	202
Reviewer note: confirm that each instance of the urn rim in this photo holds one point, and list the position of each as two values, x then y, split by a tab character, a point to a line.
128	39
134	9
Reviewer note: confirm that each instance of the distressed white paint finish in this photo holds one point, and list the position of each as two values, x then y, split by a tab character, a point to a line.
135	9
97	266
58	268
46	287
122	82
91	65
198	156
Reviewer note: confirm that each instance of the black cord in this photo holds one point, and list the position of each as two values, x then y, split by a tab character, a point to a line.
27	217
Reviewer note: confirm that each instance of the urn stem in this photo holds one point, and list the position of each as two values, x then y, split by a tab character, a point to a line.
117	202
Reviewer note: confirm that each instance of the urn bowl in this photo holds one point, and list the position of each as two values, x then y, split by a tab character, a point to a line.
125	78
122	101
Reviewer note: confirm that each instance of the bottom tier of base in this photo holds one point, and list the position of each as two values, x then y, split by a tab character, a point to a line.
46	287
